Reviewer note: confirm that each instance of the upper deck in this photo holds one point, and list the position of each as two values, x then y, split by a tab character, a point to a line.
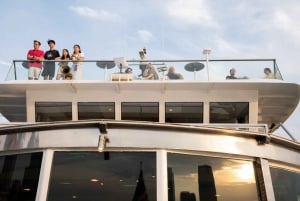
261	101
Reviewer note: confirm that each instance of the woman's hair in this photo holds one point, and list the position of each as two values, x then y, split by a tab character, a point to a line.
65	57
78	47
268	70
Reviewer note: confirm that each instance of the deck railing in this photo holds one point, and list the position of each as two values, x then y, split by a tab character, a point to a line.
190	69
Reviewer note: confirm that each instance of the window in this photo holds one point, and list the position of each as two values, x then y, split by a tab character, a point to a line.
53	111
140	111
95	110
286	184
184	113
89	176
224	112
19	176
207	178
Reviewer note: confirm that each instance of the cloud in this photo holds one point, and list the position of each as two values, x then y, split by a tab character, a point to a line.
286	23
226	48
191	12
92	13
145	35
5	63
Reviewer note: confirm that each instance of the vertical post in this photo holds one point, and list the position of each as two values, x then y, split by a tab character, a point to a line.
45	171
162	175
206	52
105	73
207	67
15	71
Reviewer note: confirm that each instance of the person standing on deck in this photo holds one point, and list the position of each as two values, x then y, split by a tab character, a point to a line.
63	64
49	66
77	66
35	56
143	64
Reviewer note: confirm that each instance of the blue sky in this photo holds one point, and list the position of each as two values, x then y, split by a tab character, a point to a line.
169	29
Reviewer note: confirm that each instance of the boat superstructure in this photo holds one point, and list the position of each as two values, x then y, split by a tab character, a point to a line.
115	136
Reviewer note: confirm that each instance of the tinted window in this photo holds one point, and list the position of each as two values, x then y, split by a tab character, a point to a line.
96	110
19	176
140	111
184	112
207	178
286	184
53	111
228	112
89	176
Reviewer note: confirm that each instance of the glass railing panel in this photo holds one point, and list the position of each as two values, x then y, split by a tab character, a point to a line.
252	69
191	70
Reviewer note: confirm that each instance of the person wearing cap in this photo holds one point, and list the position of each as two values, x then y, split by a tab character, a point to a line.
49	65
35	56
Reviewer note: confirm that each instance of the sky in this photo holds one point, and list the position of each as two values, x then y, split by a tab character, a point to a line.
169	29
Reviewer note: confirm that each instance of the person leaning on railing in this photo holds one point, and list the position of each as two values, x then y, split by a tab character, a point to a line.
150	73
232	72
63	65
232	75
173	75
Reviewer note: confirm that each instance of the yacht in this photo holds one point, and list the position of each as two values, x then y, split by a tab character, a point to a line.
116	136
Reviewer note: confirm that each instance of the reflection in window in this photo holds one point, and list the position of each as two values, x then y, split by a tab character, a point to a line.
19	176
207	178
96	110
184	112
89	176
228	112
286	184
140	111
53	111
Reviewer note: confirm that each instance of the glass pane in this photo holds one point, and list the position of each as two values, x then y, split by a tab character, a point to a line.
224	112
19	176
286	184
184	112
207	178
89	176
53	111
140	111
96	110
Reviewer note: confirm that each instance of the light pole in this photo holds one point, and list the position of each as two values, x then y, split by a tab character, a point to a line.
206	52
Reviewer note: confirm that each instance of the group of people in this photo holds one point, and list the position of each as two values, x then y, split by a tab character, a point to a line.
150	73
43	63
267	71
